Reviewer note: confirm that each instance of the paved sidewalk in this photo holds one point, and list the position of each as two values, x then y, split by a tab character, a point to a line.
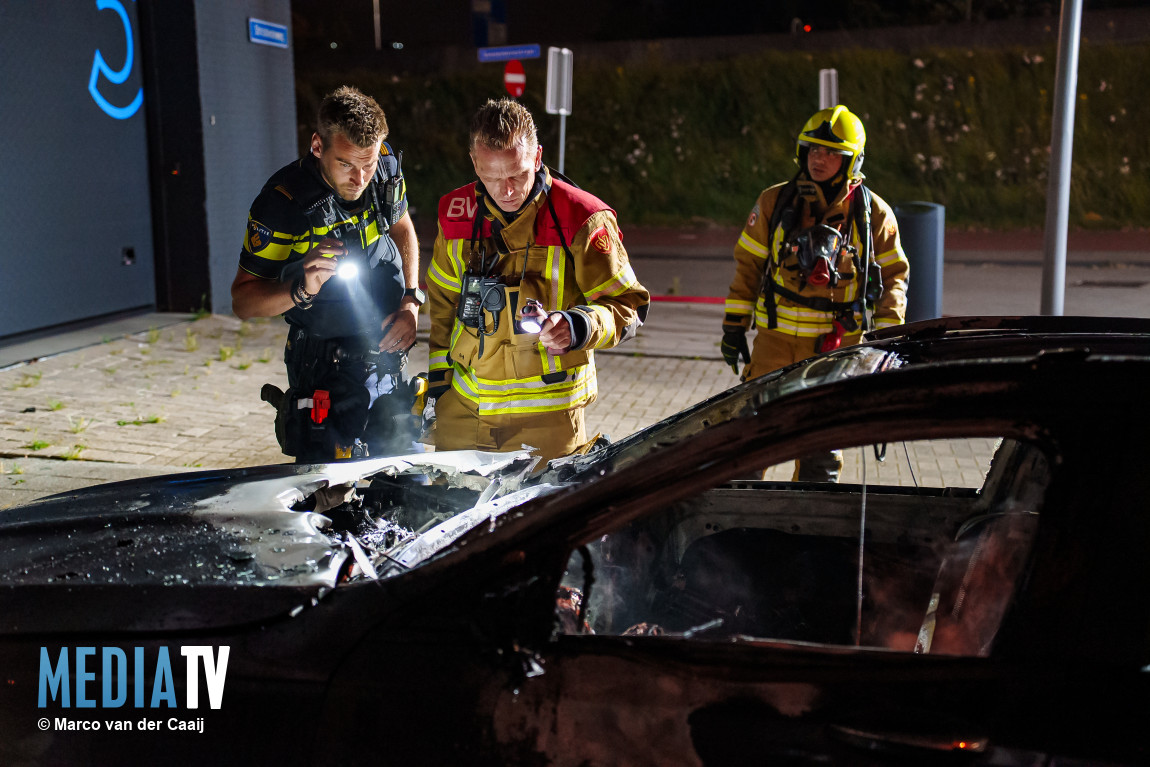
183	394
163	392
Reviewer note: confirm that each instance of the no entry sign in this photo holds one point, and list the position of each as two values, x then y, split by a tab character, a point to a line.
513	78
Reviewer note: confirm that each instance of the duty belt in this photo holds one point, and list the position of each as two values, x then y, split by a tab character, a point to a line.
313	357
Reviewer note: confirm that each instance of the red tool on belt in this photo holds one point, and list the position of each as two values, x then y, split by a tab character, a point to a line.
828	342
320	405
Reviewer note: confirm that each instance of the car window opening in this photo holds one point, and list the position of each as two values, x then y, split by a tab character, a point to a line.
881	563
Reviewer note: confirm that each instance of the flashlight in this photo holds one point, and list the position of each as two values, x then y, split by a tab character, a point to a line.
346	270
532	316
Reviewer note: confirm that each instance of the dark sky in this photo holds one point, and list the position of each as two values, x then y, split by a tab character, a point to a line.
450	22
349	23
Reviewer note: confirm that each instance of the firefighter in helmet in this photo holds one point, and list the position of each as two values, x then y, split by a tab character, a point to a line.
818	263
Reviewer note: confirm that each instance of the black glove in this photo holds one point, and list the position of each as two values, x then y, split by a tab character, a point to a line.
735	344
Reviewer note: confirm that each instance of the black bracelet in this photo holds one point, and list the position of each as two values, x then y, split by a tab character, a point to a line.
299	296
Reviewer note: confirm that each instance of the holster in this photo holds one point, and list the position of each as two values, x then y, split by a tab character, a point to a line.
332	373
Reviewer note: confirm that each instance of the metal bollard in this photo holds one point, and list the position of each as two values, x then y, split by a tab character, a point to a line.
921	227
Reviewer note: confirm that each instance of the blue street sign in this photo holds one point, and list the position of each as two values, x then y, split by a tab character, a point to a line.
267	33
509	53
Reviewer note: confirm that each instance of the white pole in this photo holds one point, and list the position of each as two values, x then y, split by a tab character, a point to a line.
562	140
1061	147
378	30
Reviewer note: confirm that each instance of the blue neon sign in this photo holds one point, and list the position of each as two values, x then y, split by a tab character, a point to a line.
116	77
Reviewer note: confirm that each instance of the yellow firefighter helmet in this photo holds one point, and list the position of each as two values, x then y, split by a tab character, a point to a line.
836	128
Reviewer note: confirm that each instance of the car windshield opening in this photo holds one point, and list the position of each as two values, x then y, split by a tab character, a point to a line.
931	567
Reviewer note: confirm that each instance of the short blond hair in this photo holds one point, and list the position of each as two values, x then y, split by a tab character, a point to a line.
357	116
503	124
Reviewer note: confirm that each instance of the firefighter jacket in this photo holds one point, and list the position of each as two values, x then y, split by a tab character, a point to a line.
766	269
296	209
564	249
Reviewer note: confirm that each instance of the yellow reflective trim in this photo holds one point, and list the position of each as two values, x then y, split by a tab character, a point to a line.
733	306
537	403
890	257
556	267
615	285
549	362
439	278
752	246
607	320
534	384
456	258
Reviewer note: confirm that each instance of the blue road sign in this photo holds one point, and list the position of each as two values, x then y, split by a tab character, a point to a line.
267	33
509	53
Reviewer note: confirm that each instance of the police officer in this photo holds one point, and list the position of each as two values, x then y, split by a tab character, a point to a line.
818	263
521	238
342	206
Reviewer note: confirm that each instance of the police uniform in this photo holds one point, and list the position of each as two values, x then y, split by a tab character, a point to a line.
332	346
497	387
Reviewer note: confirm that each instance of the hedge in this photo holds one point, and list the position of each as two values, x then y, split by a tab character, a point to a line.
670	143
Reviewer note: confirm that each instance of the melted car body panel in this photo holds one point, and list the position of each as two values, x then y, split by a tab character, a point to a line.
215	547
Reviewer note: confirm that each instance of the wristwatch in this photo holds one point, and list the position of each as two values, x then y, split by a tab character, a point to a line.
419	296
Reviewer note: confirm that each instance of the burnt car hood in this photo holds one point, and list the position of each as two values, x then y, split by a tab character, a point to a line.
206	549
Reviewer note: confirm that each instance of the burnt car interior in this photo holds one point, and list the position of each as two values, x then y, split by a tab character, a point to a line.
393	520
768	560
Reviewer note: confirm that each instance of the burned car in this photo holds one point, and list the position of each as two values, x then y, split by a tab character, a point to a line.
666	599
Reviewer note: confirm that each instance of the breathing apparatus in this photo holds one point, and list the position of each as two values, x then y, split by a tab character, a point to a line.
484	292
817	250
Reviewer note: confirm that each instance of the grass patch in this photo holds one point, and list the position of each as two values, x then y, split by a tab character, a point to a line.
28	380
37	444
73	453
141	421
191	341
79	424
55	405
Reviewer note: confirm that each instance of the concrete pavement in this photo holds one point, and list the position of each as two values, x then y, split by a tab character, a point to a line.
162	393
181	394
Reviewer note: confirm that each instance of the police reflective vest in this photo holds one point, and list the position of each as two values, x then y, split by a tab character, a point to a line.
296	210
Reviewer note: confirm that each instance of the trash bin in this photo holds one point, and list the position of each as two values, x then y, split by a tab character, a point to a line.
921	227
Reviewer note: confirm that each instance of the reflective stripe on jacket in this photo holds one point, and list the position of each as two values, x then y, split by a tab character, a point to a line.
758	250
510	371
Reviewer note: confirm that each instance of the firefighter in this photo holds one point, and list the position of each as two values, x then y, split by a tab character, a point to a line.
342	205
519	238
818	263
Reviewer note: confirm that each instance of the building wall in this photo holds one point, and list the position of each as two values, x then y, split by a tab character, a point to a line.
248	119
126	186
74	185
